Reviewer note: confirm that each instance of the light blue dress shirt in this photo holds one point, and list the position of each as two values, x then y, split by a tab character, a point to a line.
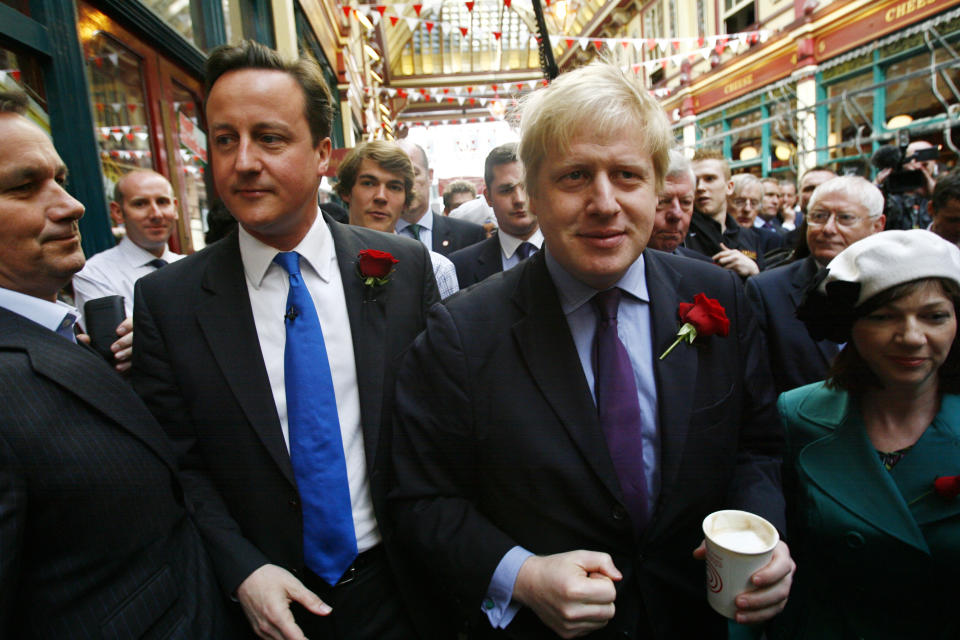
57	316
633	327
426	228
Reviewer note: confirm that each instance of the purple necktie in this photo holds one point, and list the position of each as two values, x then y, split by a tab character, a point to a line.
618	406
526	249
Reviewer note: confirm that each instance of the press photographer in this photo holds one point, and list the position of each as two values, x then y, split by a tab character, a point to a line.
907	176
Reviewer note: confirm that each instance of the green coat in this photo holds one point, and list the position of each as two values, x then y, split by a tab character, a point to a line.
869	563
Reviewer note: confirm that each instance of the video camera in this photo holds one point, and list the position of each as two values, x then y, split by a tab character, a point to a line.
901	180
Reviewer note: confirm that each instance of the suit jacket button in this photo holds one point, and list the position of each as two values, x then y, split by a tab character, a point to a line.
294	504
853	539
619	512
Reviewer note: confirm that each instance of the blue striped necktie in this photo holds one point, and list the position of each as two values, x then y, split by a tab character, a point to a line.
316	447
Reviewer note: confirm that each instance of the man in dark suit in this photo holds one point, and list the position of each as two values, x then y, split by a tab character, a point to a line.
502	450
95	540
674	209
440	233
218	348
519	234
844	210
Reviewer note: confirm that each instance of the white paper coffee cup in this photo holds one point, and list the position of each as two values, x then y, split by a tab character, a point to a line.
738	544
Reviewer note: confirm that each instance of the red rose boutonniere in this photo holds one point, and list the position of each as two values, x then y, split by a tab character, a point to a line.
703	317
947	487
375	267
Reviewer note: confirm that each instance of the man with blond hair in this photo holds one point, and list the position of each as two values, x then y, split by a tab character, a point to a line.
553	472
713	231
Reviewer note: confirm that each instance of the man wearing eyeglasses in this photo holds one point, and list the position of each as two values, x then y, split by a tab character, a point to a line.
840	212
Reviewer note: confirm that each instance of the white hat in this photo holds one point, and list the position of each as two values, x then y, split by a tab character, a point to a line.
867	267
890	258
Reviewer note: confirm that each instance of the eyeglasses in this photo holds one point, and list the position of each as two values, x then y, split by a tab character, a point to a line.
820	218
742	202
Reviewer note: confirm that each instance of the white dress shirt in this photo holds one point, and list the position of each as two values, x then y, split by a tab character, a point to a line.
114	272
268	284
509	245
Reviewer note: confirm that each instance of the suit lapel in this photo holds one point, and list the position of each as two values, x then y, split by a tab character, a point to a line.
802	274
545	344
676	374
83	373
226	320
845	466
489	259
368	327
440	233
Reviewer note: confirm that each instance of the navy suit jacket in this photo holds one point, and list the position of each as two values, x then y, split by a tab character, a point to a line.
796	359
498	444
95	539
451	234
198	365
478	261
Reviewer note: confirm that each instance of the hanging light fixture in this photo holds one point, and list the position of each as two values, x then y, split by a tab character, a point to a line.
897	122
748	153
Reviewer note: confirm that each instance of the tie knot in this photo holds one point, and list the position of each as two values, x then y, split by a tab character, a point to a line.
525	250
156	263
290	261
607	302
415	231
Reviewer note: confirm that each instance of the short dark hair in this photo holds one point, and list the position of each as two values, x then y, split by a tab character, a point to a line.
504	154
455	187
318	108
13	101
388	156
850	371
948	188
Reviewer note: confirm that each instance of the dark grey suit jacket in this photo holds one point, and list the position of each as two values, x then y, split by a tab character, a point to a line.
796	359
478	262
198	365
451	234
498	444
95	540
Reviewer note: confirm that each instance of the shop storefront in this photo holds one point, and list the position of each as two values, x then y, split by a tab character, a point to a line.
834	95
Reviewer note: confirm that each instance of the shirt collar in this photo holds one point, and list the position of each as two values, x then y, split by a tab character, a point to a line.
316	249
426	221
509	244
574	294
57	316
137	256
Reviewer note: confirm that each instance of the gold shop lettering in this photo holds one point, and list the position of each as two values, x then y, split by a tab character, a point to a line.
906	8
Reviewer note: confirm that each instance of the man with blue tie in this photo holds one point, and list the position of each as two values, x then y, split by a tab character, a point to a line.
518	236
553	473
266	357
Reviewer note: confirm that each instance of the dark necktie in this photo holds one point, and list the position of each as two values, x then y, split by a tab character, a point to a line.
156	263
414	231
316	446
525	250
618	406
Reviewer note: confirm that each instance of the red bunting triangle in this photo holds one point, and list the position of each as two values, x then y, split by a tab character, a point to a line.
469	6
132	107
401	93
497	34
463	30
473	101
663	64
381	8
494	87
700	41
393	20
346	12
469	89
675	44
98	61
570	42
446	90
548	2
598	44
625	43
519	86
417	8
15	74
129	137
651	44
719	48
506	3
451	99
429	26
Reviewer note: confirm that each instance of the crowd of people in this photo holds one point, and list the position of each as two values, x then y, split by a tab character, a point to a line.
383	422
